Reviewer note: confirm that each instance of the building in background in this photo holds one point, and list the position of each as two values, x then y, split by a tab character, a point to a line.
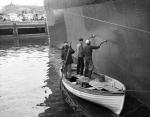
14	12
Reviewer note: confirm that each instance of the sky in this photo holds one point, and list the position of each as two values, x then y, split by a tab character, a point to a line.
21	2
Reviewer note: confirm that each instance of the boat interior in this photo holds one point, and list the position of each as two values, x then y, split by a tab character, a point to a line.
98	82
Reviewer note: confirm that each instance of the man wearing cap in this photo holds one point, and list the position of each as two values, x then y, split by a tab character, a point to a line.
64	50
66	56
80	57
88	57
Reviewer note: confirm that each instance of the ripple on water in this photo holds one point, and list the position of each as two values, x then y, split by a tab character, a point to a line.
23	70
30	87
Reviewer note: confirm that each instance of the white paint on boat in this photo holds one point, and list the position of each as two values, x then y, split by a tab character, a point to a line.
114	102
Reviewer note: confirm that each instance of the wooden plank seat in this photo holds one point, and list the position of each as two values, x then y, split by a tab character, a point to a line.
104	85
98	82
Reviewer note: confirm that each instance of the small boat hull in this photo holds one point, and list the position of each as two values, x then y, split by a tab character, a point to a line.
114	102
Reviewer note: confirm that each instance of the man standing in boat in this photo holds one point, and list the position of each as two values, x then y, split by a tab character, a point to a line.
66	56
80	57
88	57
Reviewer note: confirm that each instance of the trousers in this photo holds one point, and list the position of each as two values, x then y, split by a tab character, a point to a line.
67	70
88	68
80	65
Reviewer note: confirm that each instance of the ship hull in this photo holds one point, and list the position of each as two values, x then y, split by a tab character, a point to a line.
125	24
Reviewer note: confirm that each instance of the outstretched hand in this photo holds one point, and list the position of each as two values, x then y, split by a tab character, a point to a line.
103	42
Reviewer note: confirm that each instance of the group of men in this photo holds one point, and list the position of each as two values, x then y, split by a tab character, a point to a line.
84	58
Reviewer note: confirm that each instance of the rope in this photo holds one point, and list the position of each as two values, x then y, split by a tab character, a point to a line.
104	21
111	23
143	91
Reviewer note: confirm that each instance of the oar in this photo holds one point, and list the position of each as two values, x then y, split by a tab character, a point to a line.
68	52
64	64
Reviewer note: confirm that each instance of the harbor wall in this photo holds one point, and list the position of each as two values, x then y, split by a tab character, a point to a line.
126	26
15	32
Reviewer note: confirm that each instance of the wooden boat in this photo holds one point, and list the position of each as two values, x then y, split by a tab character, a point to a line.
100	89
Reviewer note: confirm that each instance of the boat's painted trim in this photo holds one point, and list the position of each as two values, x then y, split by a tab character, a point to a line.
114	102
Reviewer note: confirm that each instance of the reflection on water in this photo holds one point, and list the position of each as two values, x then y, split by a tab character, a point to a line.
30	87
22	72
55	102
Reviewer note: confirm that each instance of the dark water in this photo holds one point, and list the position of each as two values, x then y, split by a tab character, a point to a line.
30	87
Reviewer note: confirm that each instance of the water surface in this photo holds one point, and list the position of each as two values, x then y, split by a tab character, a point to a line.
30	87
22	73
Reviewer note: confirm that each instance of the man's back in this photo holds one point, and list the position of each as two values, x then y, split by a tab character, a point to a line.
79	50
88	51
64	51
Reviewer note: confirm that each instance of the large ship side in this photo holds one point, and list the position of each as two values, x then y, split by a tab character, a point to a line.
125	23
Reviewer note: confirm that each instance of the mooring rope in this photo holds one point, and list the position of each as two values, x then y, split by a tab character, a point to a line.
107	22
111	23
143	91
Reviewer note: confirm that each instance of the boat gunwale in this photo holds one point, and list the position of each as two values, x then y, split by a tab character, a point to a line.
93	92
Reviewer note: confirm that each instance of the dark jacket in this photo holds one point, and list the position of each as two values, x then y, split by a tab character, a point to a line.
87	50
66	54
